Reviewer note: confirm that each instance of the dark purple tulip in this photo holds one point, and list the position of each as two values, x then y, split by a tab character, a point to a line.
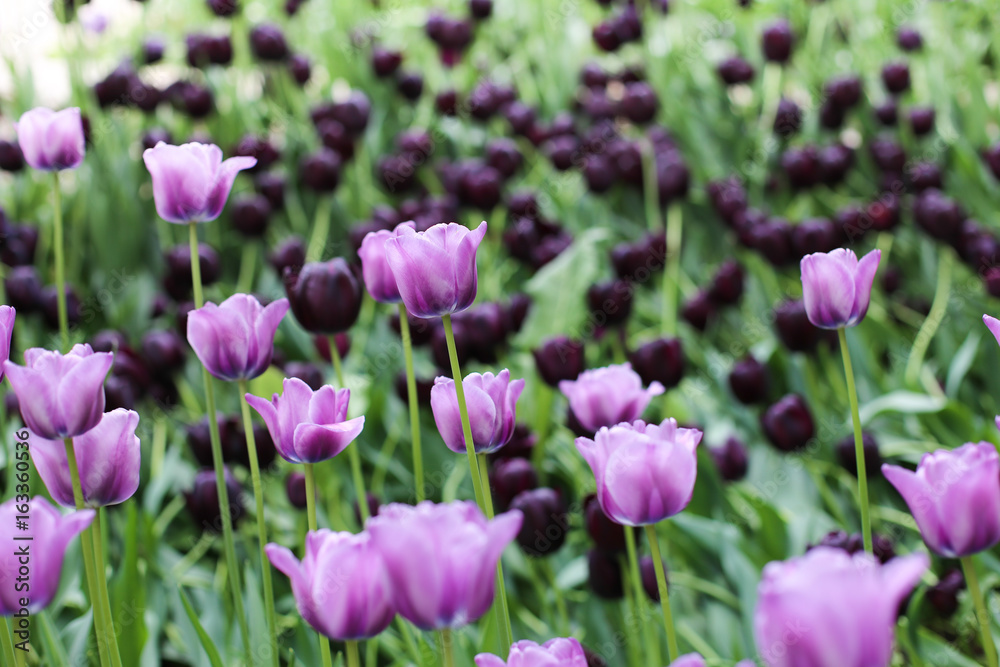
816	235
23	288
546	521
163	352
921	120
647	570
272	186
480	9
787	118
11	157
731	459
300	68
610	302
321	170
943	596
924	176
794	328
776	41
639	103
909	38
325	296
410	85
727	284
446	103
510	477
17	247
847	459
844	91
604	574
660	360
788	424
203	501
251	214
749	381
896	77
152	50
801	166
938	215
735	70
295	489
268	42
698	310
559	359
222	7
353	113
834	162
289	254
50	312
385	62
887	112
607	534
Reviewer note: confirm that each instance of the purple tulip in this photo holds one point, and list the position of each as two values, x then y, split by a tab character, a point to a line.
341	586
6	330
435	270
557	652
807	608
60	396
836	287
191	183
645	473
106	455
954	497
50	533
442	559
51	140
308	426
689	660
992	323
379	281
235	340
491	401
608	396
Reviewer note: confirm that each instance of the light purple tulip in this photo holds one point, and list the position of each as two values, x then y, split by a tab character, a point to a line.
341	586
106	455
50	534
608	396
830	609
60	396
954	497
836	287
492	403
235	340
6	330
993	324
308	426
645	473
379	281
191	182
557	652
435	270
442	559
689	660
51	140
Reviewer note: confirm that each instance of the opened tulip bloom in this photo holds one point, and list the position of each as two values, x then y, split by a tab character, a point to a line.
954	497
308	426
235	340
191	182
492	402
836	287
557	652
60	396
50	534
379	281
608	396
51	140
435	270
106	455
341	586
442	559
6	330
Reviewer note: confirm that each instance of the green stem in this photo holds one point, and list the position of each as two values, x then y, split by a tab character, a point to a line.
321	229
7	640
982	615
630	628
650	190
218	464
353	659
543	414
939	308
635	575
661	586
411	395
672	271
244	283
550	576
311	500
110	636
371	653
447	651
456	373
503	613
60	262
859	447
352	450
258	494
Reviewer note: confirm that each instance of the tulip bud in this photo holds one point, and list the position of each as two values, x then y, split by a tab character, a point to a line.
163	352
647	569
510	477
11	157
776	41
325	297
559	359
734	70
321	171
660	360
731	459
749	381
373	503
794	328
410	85
23	288
268	42
203	501
943	595
727	284
698	310
896	77
295	489
385	62
788	424
847	459
604	574
546	521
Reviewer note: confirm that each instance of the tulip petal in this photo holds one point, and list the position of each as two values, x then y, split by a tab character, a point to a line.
828	291
223	184
863	279
993	324
319	442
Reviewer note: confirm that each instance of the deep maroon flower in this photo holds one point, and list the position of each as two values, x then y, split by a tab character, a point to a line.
749	381
267	42
325	297
546	521
788	424
735	70
660	360
776	41
731	459
896	77
559	359
847	459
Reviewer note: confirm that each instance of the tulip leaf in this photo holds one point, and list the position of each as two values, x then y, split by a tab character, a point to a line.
206	641
908	402
961	362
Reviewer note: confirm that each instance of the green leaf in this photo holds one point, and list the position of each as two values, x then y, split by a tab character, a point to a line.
962	362
206	641
908	402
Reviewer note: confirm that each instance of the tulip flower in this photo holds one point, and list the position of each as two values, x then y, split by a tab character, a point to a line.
106	455
325	296
557	652
341	586
51	140
435	270
191	182
235	340
60	396
308	426
442	559
689	660
836	287
379	281
50	533
808	607
993	324
491	400
6	330
608	396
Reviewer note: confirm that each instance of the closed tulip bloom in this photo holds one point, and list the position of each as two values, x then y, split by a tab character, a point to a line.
6	330
442	559
51	140
954	497
608	396
191	182
379	281
645	472
308	426
61	396
492	403
106	455
830	609
50	533
557	652
235	340
341	586
435	270
836	287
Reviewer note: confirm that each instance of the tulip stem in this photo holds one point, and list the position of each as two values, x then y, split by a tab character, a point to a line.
258	494
939	308
353	659
244	282
650	190
456	373
225	514
352	450
8	644
311	500
57	225
110	636
411	395
543	414
321	229
982	615
672	271
503	613
661	586
87	549
859	447
635	575
447	650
